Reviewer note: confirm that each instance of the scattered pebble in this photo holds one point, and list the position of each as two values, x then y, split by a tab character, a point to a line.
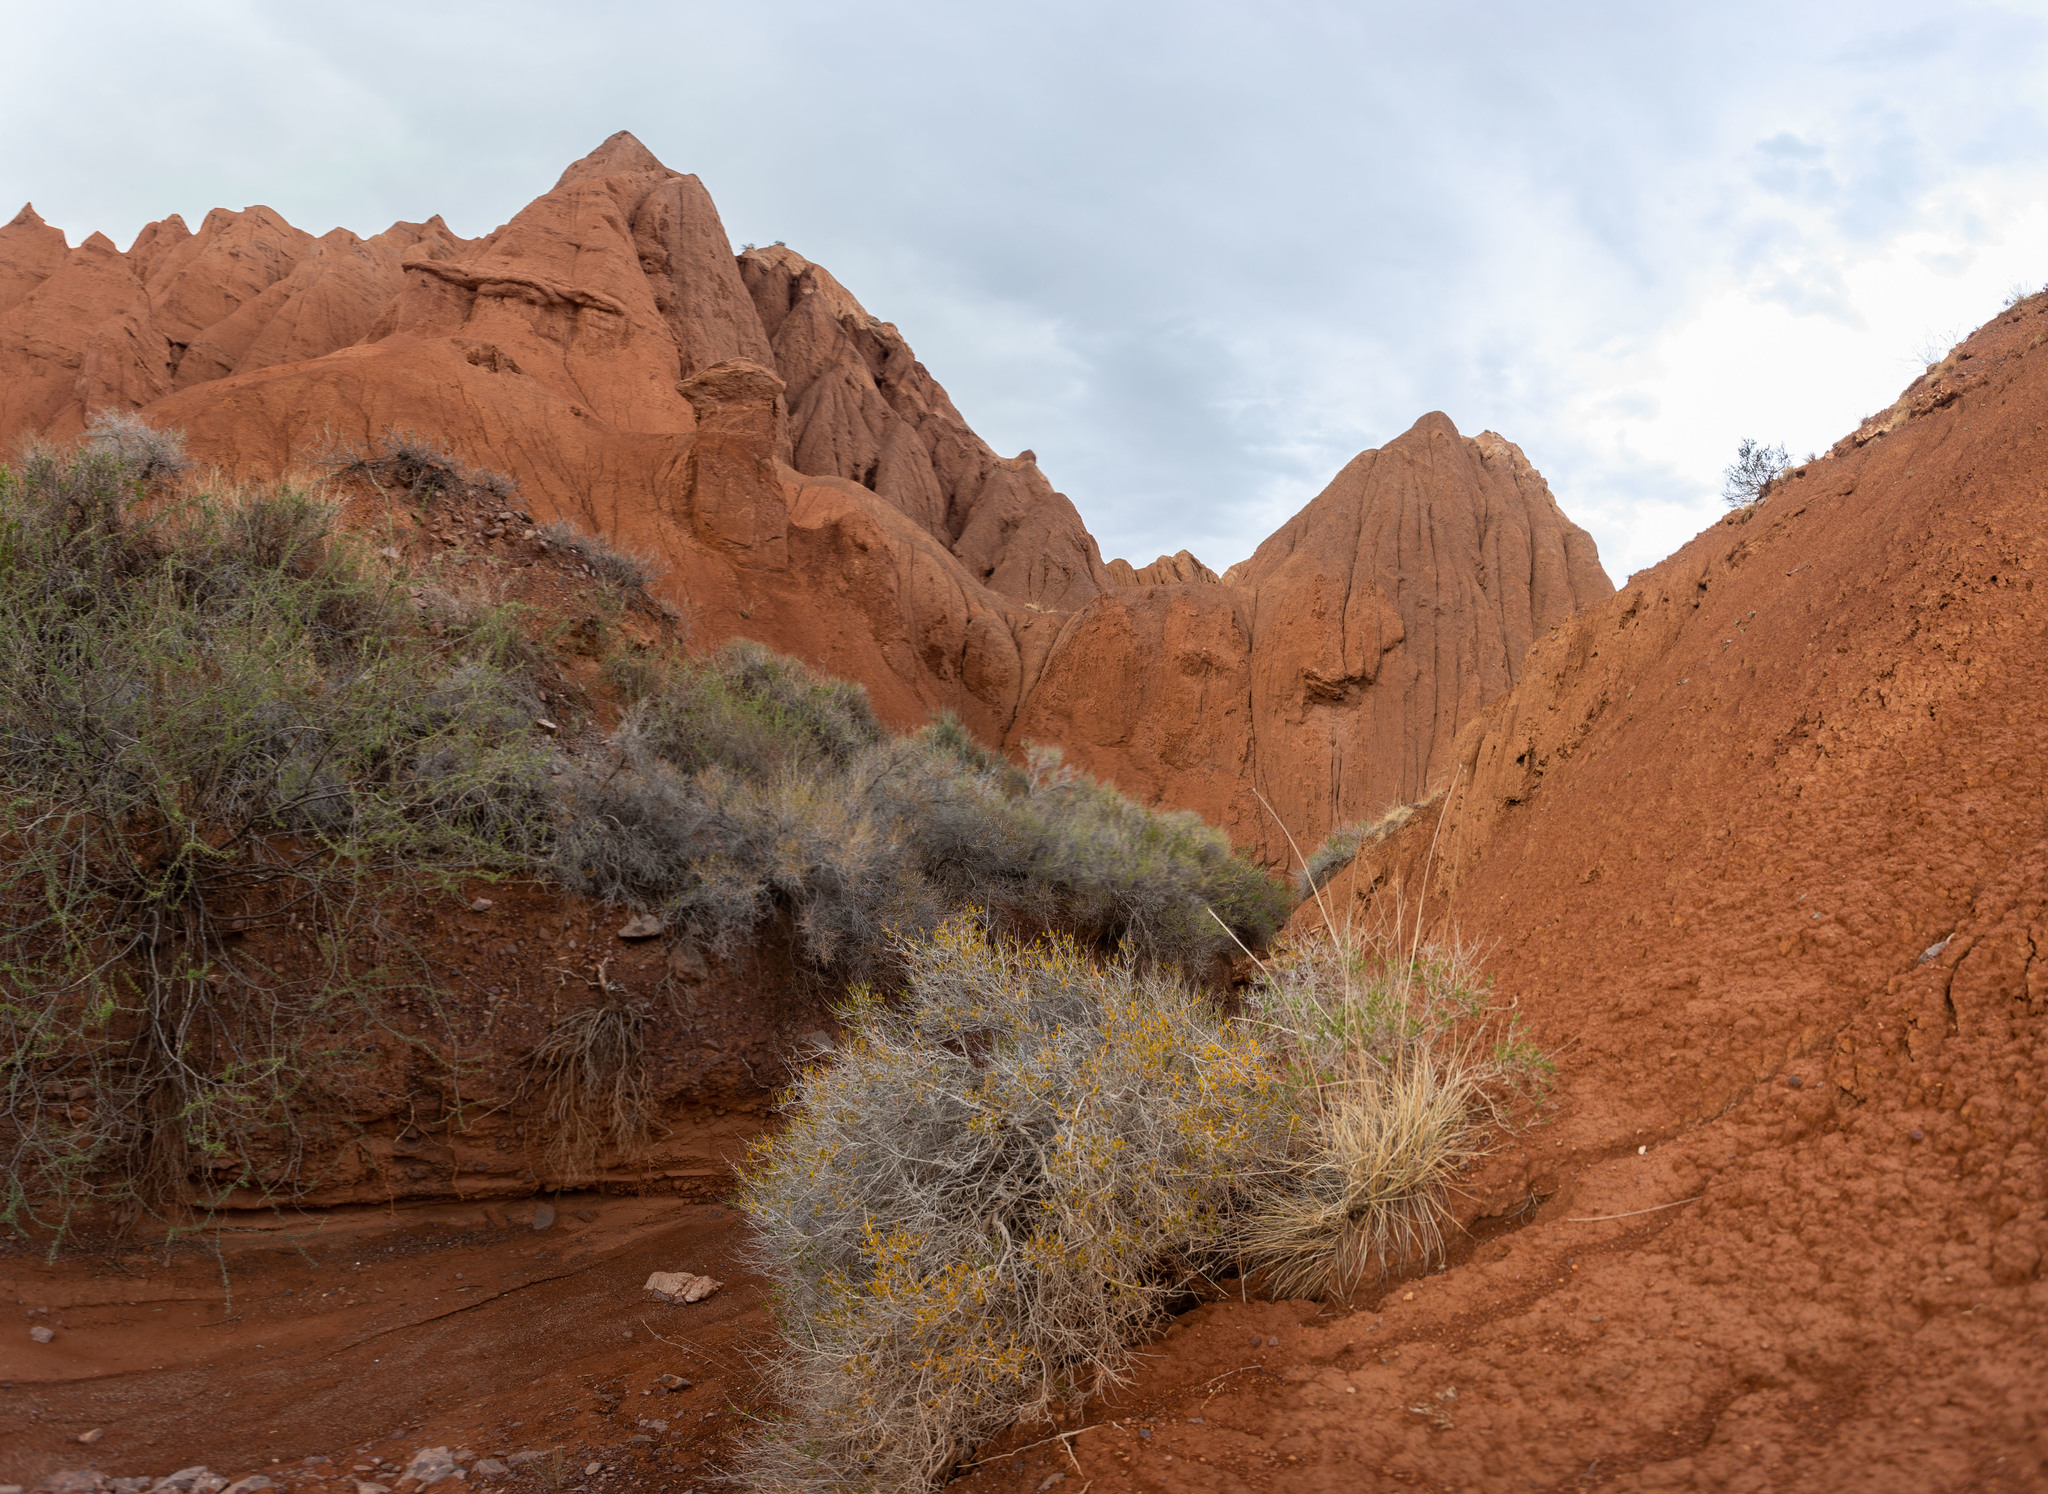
480	905
544	1216
1796	1082
429	1465
1916	1134
681	1286
89	1438
41	1334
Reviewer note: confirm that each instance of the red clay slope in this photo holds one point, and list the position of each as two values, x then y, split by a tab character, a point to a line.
809	484
1761	847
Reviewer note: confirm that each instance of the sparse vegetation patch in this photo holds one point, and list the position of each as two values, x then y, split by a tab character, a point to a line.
219	720
747	785
1402	1063
1755	468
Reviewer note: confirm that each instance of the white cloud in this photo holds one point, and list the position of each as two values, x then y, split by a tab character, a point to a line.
1194	254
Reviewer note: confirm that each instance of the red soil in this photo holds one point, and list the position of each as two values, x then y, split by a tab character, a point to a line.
1759	844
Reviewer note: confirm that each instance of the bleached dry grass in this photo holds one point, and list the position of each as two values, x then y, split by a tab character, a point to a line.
1402	1065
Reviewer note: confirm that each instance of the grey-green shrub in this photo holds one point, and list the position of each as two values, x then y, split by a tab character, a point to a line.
217	718
750	785
987	1197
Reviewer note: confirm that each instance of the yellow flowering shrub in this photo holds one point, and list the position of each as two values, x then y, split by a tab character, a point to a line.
988	1196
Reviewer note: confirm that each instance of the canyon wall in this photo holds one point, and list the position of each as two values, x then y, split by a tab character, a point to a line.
805	481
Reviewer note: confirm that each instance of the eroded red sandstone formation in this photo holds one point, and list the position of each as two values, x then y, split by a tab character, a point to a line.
1760	847
811	485
1331	671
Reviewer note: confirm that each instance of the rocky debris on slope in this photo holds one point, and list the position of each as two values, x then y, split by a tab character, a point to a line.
1332	670
1711	837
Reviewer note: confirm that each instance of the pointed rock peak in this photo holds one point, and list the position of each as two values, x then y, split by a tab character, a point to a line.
28	217
100	241
1435	423
622	153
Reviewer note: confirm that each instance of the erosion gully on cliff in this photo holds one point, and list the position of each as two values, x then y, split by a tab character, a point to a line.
1757	843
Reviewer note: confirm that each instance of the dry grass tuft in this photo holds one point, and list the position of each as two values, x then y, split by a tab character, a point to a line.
1341	847
1403	1065
630	570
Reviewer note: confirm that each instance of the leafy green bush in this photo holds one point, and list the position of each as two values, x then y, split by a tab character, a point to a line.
218	720
988	1196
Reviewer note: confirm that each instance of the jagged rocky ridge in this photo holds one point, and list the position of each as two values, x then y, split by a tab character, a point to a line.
811	485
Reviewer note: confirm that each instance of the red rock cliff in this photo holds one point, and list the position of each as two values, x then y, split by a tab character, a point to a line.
811	485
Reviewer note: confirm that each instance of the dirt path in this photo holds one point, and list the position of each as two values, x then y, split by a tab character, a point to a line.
363	1335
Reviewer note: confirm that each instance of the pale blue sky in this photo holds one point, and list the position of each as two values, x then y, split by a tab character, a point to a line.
1195	255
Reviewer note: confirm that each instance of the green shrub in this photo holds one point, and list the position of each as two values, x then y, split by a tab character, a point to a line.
988	1196
753	712
218	720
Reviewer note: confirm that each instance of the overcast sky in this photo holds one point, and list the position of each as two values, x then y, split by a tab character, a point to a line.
1195	255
